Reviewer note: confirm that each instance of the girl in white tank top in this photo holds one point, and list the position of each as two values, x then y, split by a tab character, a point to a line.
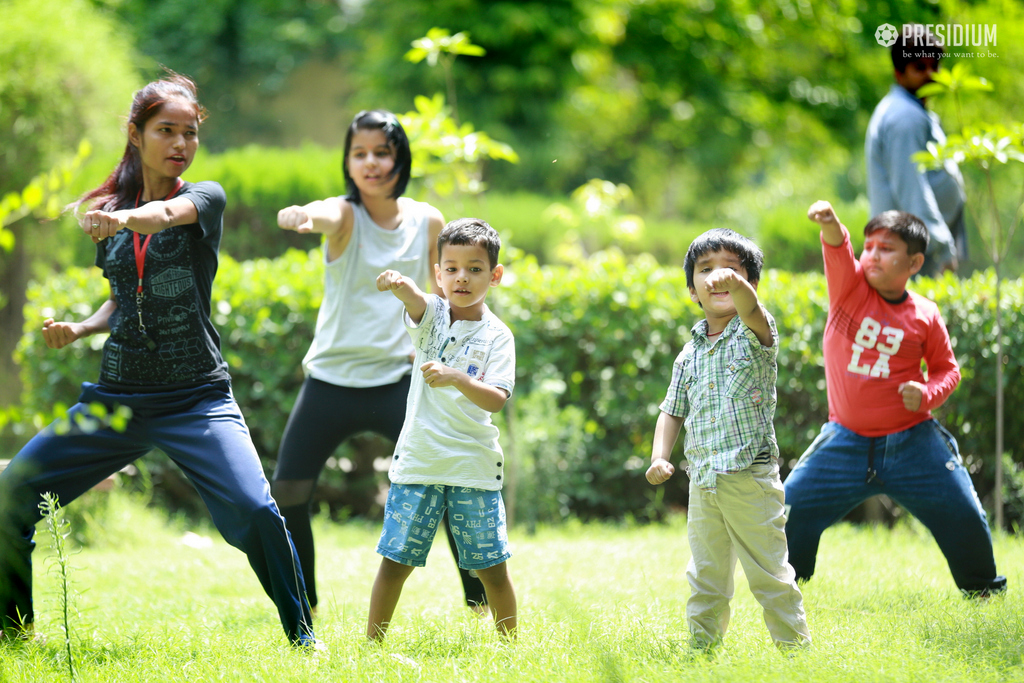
358	364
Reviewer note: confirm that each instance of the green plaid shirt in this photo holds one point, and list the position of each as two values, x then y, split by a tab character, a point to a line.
725	393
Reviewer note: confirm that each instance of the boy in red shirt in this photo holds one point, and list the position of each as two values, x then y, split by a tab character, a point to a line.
881	437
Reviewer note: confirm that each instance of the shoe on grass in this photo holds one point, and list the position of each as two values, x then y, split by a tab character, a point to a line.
21	634
310	645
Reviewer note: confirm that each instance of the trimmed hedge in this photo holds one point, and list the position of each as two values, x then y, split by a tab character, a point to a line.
260	181
595	344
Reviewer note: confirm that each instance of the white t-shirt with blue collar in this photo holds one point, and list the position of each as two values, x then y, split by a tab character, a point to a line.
447	439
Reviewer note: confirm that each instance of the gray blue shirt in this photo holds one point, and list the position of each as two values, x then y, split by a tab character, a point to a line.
900	126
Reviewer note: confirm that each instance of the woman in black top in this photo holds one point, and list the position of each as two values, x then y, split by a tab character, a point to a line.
157	239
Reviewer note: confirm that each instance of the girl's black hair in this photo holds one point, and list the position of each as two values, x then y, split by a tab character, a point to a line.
724	239
125	182
380	119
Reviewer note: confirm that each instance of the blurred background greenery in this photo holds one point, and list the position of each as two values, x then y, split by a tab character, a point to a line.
673	116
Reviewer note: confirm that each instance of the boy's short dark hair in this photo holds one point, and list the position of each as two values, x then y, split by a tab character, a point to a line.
380	119
719	239
915	42
906	226
469	232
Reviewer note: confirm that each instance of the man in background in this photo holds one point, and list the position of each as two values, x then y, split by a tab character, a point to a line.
901	126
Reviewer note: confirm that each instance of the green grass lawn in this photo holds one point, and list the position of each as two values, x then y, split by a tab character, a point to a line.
597	603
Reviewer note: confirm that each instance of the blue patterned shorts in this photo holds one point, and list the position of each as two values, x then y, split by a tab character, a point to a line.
413	513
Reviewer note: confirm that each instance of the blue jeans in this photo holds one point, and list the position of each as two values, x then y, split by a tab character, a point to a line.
919	468
201	429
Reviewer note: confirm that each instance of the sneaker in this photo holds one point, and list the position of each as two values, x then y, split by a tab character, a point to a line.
24	634
310	645
996	587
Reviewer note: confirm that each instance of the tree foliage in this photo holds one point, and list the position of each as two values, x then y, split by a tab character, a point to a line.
66	74
240	52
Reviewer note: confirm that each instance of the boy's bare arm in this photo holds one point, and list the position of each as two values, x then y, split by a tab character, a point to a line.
407	292
665	435
744	297
490	398
822	213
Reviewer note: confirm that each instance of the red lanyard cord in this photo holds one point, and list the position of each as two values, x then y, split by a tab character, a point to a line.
140	253
140	258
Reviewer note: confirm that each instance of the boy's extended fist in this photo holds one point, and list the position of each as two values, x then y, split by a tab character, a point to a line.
390	280
912	394
660	471
722	280
822	213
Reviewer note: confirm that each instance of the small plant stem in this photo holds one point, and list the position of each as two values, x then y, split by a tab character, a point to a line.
60	529
447	62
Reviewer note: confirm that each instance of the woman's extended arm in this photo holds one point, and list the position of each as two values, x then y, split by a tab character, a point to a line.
57	335
146	219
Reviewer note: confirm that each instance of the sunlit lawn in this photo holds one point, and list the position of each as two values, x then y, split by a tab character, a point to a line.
597	603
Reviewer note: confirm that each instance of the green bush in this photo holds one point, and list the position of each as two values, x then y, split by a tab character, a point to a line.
603	336
527	222
266	312
259	182
969	309
788	239
595	344
548	452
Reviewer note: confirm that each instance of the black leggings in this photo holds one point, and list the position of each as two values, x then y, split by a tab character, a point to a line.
324	416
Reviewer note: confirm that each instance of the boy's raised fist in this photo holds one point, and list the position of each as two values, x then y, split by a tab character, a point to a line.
822	213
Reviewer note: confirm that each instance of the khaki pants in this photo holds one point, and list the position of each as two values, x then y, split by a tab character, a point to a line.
745	518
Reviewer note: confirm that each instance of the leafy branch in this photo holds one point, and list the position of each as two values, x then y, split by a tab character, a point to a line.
445	154
41	196
440	46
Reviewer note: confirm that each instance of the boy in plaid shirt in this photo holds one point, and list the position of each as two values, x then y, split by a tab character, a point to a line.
723	393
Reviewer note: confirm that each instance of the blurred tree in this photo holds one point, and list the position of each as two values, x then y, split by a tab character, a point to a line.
440	47
512	92
690	102
240	52
40	198
66	73
728	93
684	100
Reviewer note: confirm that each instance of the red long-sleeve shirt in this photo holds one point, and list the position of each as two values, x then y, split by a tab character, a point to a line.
873	345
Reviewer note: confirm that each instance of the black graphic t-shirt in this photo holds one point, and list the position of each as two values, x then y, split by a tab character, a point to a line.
180	347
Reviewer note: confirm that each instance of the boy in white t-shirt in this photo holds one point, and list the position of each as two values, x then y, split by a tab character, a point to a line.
448	455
